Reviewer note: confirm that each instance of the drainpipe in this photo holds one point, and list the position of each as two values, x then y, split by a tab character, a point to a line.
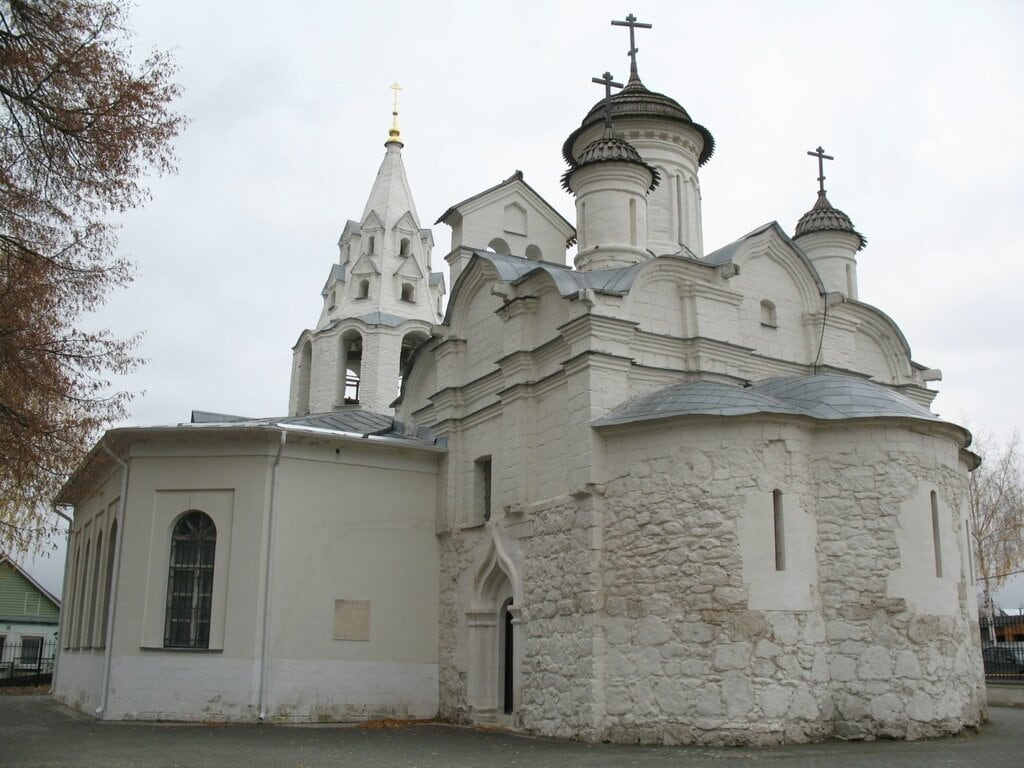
63	614
108	641
264	655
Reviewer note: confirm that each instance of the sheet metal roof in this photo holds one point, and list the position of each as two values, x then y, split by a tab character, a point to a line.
822	396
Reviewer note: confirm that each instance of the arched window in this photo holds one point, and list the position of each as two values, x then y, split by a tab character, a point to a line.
190	582
779	526
408	292
111	549
83	583
364	289
403	247
768	317
371	244
304	372
534	253
94	596
499	246
350	358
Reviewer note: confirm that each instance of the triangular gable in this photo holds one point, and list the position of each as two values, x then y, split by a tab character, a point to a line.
337	275
366	265
30	582
406	223
372	221
351	228
409	268
512	189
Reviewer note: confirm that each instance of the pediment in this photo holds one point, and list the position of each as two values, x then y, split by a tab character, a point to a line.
406	223
366	265
409	268
372	221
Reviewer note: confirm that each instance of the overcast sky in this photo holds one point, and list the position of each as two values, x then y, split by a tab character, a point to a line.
921	103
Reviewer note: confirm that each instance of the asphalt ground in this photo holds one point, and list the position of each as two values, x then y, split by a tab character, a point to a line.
37	731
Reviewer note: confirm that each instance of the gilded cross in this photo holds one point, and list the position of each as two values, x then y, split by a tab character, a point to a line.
396	88
394	134
608	83
822	157
633	25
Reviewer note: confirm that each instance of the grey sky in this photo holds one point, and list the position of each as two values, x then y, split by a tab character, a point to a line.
919	102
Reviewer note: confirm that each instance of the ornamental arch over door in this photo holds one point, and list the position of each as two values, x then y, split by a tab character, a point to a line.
495	638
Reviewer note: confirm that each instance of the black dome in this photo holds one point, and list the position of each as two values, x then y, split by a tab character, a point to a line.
635	100
607	149
824	218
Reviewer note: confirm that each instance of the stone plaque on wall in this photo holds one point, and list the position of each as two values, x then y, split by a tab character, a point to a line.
351	619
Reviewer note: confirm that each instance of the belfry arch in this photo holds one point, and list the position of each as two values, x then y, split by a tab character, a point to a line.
495	635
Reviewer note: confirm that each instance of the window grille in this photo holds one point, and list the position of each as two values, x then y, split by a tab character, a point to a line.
190	582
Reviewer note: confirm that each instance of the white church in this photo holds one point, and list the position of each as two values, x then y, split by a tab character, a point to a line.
661	494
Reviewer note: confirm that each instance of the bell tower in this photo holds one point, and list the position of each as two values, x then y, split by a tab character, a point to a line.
379	302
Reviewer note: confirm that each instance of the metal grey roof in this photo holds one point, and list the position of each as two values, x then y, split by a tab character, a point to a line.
337	274
821	396
210	417
512	269
348	420
381	318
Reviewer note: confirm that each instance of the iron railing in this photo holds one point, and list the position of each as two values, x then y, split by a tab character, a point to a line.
1004	662
27	661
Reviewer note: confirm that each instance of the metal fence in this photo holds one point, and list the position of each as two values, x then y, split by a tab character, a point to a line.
1004	662
27	661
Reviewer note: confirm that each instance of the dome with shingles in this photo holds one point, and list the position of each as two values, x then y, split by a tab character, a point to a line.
635	100
608	149
823	217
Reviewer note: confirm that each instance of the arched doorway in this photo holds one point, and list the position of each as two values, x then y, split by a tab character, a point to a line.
508	658
495	640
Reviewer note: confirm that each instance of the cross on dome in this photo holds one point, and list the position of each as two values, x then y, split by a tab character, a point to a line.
822	157
608	83
394	134
631	22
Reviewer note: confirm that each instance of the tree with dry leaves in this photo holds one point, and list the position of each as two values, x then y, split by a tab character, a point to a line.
81	125
996	501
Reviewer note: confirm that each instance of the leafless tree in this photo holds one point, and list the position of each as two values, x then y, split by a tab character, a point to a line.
81	124
996	498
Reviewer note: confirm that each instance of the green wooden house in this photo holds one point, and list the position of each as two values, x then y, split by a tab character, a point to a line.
29	617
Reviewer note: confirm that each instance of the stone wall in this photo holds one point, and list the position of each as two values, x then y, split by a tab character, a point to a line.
652	609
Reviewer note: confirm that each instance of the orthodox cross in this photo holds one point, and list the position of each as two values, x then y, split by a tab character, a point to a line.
608	83
394	132
396	88
822	157
633	25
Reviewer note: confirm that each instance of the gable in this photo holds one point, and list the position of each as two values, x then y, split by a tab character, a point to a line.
372	221
366	265
410	269
406	223
22	597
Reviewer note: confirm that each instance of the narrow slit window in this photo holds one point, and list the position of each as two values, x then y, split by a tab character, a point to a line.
780	530
936	540
482	482
970	554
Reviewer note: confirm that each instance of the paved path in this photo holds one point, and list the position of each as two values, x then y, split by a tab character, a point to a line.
36	731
